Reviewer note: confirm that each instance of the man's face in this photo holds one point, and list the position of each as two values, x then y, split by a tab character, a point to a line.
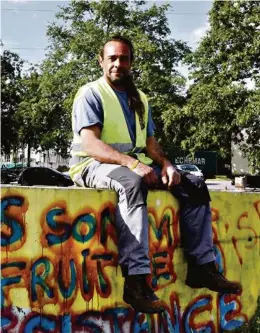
116	62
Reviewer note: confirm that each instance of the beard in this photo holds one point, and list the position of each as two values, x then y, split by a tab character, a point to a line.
119	80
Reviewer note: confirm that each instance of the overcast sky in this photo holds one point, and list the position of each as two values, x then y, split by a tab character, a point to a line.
24	24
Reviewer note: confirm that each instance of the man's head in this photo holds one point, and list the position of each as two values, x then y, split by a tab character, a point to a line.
116	58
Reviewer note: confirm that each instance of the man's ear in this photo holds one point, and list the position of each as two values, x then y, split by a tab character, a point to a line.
100	61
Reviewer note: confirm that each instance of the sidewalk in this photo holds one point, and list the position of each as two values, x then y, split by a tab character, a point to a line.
225	185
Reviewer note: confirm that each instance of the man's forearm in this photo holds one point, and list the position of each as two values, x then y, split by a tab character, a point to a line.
104	153
155	152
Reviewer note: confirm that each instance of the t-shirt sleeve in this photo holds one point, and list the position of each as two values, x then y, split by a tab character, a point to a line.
87	110
150	124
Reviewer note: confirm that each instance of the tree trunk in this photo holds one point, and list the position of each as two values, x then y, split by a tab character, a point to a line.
28	155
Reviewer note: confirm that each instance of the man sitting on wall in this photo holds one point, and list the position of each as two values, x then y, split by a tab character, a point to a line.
114	148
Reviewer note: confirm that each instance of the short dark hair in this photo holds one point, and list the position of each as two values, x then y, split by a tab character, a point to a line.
118	38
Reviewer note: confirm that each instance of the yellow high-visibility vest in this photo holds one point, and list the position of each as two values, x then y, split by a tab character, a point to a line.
115	131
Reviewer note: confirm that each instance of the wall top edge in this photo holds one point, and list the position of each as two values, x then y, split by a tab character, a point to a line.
74	188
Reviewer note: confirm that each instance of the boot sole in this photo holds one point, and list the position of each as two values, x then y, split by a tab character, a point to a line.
149	311
227	291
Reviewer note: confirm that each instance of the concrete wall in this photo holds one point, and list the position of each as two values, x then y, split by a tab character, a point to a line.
239	164
60	273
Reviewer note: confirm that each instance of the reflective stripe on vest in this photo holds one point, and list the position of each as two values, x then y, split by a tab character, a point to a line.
121	147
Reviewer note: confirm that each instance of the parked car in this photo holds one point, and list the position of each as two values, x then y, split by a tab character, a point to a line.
43	176
190	168
8	176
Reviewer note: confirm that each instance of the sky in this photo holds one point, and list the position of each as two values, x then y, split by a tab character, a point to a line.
24	25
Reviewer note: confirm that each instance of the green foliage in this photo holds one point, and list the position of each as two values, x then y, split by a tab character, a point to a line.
230	50
219	107
219	101
253	326
11	95
27	115
72	59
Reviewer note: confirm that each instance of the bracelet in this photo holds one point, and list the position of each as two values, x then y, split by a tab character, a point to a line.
134	165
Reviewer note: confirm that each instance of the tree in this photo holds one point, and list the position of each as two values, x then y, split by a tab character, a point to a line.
72	59
219	102
11	67
23	110
28	115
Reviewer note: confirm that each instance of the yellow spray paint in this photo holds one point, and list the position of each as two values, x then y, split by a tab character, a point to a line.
59	263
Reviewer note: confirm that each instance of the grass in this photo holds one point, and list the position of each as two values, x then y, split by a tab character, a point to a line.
222	177
254	325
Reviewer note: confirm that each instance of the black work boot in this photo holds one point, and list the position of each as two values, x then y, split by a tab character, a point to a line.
149	292
207	276
140	296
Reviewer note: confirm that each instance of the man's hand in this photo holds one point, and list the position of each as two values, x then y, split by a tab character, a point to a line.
147	173
170	176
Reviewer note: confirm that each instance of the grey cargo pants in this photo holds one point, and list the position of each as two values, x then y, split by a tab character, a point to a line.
132	216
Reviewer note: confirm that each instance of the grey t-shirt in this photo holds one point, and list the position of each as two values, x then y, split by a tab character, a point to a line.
88	111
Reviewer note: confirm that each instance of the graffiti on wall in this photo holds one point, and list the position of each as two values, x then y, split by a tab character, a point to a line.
60	264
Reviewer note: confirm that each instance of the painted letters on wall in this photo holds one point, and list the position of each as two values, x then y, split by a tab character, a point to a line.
60	274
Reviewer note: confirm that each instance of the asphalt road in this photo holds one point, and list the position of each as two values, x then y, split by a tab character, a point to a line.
219	184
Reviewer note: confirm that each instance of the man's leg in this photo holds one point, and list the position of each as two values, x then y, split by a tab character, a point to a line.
196	236
195	222
132	230
196	232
